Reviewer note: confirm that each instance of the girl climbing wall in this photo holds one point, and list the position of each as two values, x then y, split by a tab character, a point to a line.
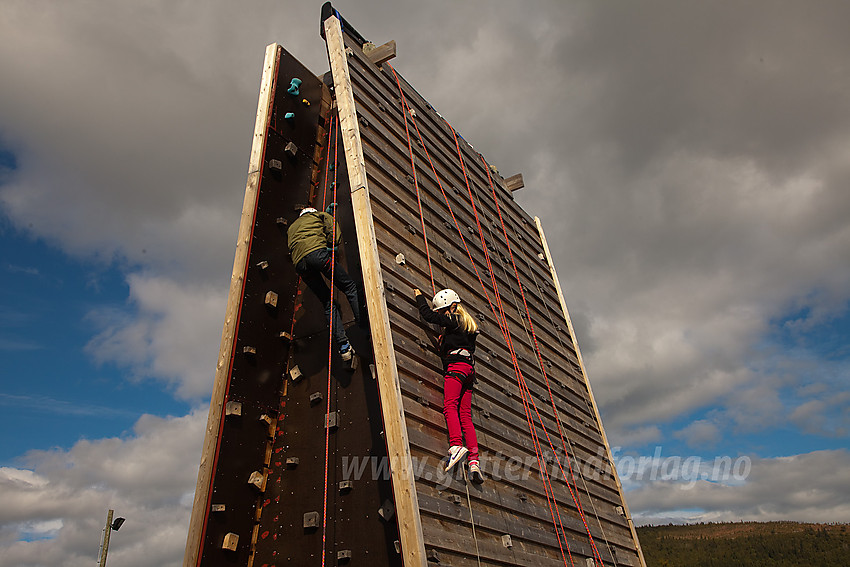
457	348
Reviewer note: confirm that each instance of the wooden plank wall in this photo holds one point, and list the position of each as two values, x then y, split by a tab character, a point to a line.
512	502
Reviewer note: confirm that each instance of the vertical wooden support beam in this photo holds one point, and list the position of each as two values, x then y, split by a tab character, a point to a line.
201	505
587	385
398	446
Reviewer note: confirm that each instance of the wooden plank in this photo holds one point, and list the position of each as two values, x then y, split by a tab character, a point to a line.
404	489
381	54
587	383
514	182
201	502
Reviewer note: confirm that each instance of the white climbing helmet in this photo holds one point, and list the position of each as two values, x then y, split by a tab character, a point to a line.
306	210
445	298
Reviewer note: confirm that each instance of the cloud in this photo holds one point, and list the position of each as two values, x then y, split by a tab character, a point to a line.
689	163
54	510
810	487
699	433
170	333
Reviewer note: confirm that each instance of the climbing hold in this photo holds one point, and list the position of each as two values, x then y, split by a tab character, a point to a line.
506	540
249	350
258	479
295	373
294	85
315	398
291	149
346	485
231	540
332	420
263	265
399	259
311	519
305	102
343	555
217	508
290	116
292	462
271	299
387	510
233	408
275	165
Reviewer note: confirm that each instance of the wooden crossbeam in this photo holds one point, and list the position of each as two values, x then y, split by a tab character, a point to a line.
381	54
514	182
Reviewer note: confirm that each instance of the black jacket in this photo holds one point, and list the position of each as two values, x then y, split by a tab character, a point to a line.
453	337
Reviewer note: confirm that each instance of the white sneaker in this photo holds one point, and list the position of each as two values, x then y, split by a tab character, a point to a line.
475	472
456	453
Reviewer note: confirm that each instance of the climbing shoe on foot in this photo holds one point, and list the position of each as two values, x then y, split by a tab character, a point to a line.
475	472
346	352
456	453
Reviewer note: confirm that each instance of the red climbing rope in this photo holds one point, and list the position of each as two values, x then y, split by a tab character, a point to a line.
576	500
327	162
330	344
548	488
416	186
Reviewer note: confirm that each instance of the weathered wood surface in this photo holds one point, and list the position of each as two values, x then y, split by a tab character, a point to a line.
398	446
498	411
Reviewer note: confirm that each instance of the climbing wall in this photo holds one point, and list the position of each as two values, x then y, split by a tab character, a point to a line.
279	405
307	461
441	214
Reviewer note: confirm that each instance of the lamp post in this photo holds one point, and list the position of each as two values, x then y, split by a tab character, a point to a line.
110	525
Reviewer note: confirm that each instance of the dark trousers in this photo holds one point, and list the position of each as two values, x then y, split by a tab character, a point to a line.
313	269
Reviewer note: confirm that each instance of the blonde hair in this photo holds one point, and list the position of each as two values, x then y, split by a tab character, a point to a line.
465	320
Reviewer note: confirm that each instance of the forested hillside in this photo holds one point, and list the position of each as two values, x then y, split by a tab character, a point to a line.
772	544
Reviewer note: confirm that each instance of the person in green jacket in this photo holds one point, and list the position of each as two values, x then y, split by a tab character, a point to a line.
311	241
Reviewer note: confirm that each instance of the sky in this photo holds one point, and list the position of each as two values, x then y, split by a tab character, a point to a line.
689	161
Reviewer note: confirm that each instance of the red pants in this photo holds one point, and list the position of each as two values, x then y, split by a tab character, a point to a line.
457	406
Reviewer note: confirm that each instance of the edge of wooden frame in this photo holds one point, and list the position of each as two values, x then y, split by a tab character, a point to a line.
398	445
201	504
596	415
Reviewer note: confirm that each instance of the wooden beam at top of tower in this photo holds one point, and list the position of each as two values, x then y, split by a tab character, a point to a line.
514	182
380	54
398	445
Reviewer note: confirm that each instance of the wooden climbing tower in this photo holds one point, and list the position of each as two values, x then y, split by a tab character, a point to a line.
308	460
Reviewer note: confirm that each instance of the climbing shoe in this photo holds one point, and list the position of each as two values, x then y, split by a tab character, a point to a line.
475	472
456	453
346	352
